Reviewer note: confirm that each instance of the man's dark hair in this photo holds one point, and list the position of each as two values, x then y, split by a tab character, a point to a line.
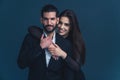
49	8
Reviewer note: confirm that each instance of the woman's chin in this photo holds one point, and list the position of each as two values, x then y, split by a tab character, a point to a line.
61	34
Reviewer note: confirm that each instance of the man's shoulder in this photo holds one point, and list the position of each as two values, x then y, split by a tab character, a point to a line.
28	36
35	31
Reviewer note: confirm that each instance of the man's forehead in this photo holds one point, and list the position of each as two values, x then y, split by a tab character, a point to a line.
49	14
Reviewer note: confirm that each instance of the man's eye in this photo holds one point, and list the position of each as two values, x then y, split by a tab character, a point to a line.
52	18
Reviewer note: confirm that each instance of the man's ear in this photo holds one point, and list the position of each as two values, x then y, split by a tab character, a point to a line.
41	20
57	20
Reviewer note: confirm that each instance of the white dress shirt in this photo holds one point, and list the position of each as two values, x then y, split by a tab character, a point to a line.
47	53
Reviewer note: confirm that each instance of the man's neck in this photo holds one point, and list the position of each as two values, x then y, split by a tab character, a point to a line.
50	35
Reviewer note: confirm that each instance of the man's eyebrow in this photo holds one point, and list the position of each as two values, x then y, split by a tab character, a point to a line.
53	18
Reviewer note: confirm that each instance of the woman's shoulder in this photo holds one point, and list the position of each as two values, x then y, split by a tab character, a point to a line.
61	39
63	42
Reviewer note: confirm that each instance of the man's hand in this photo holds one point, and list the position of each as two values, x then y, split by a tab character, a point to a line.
45	42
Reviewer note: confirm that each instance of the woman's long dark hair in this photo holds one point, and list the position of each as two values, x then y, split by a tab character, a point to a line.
75	36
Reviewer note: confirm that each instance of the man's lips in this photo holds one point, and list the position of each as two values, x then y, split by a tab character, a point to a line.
49	27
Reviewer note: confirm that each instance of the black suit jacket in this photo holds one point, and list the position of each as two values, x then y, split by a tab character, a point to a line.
31	55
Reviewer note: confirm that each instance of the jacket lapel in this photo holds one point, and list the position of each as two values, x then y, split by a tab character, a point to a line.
52	61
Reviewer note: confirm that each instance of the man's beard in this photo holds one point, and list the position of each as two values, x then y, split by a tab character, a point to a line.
47	31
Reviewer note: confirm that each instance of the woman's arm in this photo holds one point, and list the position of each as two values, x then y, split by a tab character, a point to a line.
57	51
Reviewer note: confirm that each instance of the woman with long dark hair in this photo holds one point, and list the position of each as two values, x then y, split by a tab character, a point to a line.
68	27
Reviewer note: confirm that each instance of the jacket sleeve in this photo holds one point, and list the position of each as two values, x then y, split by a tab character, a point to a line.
69	73
28	52
73	64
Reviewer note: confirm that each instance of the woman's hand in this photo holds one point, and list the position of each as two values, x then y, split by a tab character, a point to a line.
55	50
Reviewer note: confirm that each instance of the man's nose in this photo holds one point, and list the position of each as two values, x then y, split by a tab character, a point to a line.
49	22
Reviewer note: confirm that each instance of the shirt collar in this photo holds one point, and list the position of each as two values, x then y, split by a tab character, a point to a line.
54	34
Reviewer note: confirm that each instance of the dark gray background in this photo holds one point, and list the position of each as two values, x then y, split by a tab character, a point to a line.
99	22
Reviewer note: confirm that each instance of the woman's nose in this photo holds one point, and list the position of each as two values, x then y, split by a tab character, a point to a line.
62	26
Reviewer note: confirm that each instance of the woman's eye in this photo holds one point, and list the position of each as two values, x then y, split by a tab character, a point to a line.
66	24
